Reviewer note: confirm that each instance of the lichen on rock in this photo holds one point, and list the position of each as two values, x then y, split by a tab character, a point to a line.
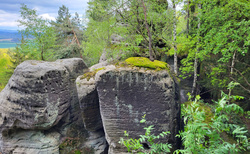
91	74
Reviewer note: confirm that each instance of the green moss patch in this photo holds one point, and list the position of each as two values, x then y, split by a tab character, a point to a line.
145	62
91	74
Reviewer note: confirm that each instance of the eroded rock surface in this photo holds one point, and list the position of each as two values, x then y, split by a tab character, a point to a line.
88	97
44	107
126	94
29	141
89	103
39	105
38	94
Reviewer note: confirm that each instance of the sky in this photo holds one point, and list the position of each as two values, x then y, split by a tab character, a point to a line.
9	10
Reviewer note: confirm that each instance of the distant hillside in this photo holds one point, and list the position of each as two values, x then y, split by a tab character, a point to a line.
10	36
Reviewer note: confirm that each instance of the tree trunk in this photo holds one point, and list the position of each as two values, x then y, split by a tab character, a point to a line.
196	59
231	74
42	58
233	63
174	39
149	34
195	75
42	54
188	17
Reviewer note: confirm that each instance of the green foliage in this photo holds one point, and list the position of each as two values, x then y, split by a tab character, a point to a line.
98	35
201	137
159	21
202	107
5	63
101	25
136	145
188	62
9	60
145	62
224	31
70	51
40	36
69	34
77	152
109	18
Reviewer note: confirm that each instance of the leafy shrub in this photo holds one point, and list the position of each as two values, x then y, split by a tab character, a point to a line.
201	137
5	63
136	145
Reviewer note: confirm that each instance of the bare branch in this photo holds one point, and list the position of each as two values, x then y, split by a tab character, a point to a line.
240	74
240	85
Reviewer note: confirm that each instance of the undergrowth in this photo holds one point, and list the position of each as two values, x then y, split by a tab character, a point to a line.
137	145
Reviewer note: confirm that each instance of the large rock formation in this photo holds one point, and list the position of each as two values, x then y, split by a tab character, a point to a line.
127	94
45	109
37	96
39	105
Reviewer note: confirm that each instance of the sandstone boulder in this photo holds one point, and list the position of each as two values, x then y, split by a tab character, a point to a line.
39	106
38	94
30	141
126	94
44	106
88	97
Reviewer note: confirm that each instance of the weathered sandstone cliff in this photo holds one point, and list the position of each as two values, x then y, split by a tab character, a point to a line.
125	95
39	107
63	106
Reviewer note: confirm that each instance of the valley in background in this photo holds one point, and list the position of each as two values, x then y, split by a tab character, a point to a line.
9	38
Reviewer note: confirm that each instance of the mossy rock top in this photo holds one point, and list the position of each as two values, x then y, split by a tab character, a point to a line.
91	74
132	61
145	62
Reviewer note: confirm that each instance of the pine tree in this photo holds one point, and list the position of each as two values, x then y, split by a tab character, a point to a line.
69	34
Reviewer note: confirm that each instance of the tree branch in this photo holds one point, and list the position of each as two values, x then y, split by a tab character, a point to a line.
240	85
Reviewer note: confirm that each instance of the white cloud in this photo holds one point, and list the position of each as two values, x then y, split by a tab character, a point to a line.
8	19
9	24
47	9
47	16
